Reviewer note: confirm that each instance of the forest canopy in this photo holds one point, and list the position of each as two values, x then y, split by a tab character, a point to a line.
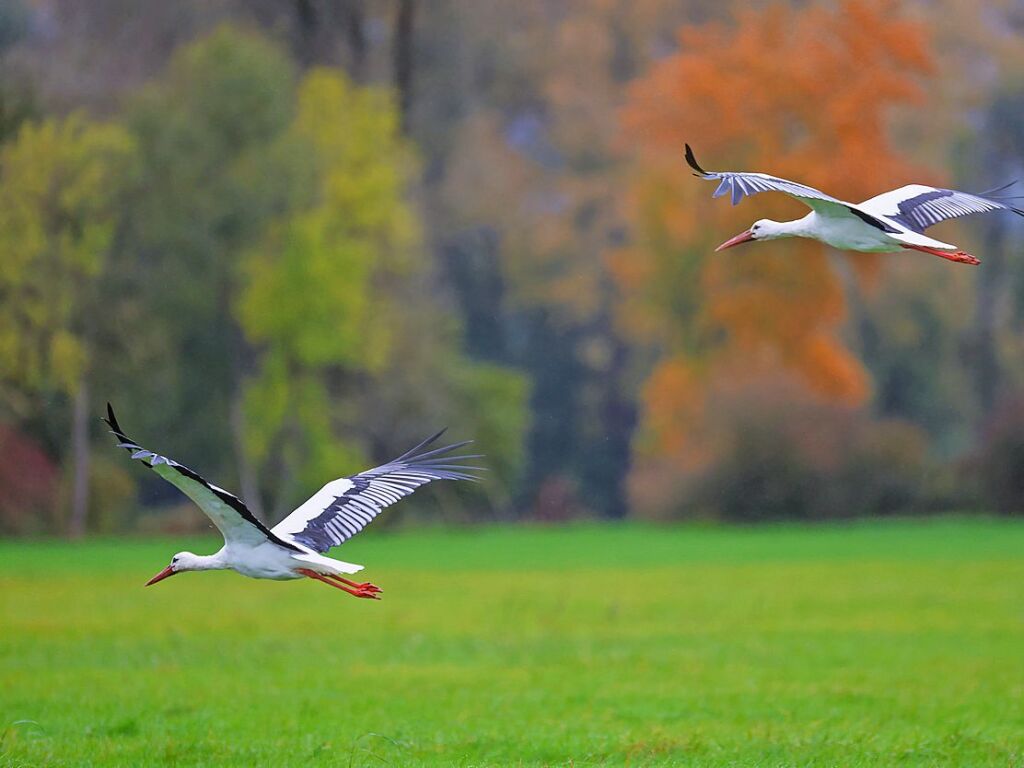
291	240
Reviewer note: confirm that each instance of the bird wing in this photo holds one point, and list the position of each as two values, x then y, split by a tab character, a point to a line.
343	507
740	185
228	513
918	207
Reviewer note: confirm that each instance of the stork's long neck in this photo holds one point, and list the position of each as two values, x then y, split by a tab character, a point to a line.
215	562
797	228
210	563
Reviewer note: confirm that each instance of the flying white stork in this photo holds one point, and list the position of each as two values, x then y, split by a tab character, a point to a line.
294	548
891	221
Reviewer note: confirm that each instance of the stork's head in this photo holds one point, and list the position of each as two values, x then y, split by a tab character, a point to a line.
183	561
762	229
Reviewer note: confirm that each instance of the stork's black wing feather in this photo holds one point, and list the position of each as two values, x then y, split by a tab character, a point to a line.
227	511
741	184
343	507
931	205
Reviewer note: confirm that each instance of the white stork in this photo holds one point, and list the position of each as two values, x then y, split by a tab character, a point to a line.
294	548
891	221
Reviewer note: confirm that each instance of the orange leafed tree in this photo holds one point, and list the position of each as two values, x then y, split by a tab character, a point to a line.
800	92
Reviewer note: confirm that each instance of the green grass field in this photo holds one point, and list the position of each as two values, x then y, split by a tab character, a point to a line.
870	644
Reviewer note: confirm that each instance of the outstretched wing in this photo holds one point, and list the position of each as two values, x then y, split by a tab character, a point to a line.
342	508
740	185
228	513
918	207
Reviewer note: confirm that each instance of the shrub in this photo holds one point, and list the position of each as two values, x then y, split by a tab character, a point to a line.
28	483
1000	457
778	454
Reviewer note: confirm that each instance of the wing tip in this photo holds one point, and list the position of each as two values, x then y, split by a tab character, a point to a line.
692	162
111	421
418	457
994	192
412	452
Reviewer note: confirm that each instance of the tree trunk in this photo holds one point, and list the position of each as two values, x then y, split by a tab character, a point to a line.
403	57
80	461
982	351
290	433
306	22
354	13
247	479
619	415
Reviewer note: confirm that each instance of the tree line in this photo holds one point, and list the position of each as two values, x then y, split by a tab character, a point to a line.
290	239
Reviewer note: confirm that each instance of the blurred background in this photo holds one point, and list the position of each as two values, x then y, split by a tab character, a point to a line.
288	239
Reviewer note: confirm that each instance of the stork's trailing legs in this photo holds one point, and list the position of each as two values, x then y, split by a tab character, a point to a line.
960	257
367	591
366	586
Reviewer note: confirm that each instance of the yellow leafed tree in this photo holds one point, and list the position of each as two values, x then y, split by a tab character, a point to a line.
62	187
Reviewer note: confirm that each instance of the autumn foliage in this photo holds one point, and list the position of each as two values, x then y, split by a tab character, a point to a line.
28	482
800	92
295	238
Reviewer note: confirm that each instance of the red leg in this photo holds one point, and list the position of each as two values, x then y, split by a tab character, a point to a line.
958	256
365	586
355	592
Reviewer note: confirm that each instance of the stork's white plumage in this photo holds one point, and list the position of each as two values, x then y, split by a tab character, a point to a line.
889	222
293	549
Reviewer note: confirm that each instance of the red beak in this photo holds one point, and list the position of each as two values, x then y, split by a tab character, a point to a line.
165	573
742	237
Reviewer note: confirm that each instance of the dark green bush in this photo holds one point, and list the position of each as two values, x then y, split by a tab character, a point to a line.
796	458
1000	458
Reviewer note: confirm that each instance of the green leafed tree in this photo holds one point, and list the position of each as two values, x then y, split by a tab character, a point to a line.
283	264
214	173
62	189
334	295
315	294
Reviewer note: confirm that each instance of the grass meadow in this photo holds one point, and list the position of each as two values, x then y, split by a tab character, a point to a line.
897	643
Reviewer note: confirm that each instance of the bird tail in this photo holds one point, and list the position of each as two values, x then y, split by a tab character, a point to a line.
328	565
